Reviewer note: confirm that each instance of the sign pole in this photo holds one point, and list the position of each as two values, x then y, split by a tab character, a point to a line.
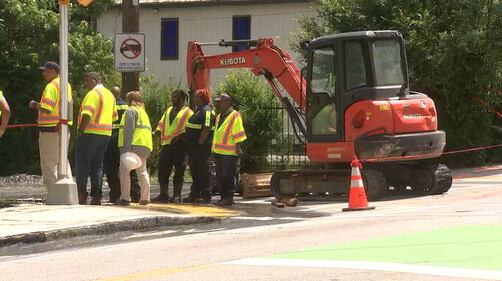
64	191
130	23
63	60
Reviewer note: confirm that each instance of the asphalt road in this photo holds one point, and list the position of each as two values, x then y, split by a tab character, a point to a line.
443	237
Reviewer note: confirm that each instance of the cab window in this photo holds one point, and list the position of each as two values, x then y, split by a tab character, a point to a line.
388	64
323	71
355	69
325	122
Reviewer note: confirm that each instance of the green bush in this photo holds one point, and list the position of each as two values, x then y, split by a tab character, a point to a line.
253	98
454	53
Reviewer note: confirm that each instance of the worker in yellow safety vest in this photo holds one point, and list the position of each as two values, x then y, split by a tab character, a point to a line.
228	136
97	113
111	162
135	137
49	120
172	132
4	114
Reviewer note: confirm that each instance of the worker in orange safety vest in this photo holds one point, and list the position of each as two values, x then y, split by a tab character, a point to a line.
228	136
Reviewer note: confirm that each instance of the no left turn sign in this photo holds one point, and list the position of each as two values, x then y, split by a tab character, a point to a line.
130	52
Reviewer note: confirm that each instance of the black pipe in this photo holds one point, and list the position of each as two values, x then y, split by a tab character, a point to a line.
223	43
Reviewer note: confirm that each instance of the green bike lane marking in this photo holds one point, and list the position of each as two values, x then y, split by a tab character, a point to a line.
472	247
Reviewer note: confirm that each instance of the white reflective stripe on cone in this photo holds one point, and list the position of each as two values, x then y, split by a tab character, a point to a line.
356	183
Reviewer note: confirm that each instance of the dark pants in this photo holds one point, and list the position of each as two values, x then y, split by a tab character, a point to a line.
198	157
111	165
90	151
226	170
172	155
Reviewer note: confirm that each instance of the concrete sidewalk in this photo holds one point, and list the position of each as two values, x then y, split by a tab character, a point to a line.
29	223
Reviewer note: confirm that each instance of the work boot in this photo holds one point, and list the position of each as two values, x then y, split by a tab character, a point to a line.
161	198
175	199
82	198
205	198
122	202
177	189
176	193
226	200
191	198
95	201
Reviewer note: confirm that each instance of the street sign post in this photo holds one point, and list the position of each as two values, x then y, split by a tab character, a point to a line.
64	191
129	52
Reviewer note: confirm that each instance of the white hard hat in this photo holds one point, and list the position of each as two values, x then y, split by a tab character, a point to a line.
131	161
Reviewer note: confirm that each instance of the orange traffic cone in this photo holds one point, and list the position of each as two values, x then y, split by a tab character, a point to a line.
357	195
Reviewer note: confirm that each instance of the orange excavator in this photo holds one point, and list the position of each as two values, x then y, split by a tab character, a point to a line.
352	99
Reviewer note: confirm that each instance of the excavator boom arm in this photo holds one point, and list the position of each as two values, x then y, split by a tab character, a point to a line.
263	58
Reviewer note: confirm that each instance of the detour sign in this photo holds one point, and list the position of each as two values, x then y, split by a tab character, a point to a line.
130	52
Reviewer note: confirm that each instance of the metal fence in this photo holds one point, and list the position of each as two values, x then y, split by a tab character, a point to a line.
287	152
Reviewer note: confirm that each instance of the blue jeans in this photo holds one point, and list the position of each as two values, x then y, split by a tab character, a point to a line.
89	155
226	170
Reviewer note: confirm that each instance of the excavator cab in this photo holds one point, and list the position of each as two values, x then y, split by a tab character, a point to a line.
349	67
359	102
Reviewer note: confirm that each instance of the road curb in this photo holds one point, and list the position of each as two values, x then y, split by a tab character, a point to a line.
104	228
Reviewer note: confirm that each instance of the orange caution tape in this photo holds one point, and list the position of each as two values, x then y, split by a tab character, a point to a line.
13	126
411	157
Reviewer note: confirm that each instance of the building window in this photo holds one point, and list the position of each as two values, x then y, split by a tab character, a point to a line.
169	39
241	31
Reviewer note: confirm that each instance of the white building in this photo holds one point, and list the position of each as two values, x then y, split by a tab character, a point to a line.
169	24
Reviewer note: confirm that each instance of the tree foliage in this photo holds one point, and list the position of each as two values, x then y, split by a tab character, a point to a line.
454	53
29	35
252	97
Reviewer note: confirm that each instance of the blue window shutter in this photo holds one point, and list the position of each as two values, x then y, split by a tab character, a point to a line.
169	39
241	31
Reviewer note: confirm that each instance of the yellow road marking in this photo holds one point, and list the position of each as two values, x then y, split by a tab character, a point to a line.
155	273
189	209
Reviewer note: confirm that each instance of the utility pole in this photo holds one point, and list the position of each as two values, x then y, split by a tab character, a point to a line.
130	23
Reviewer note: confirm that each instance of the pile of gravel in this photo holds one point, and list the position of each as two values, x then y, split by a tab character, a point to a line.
22	179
